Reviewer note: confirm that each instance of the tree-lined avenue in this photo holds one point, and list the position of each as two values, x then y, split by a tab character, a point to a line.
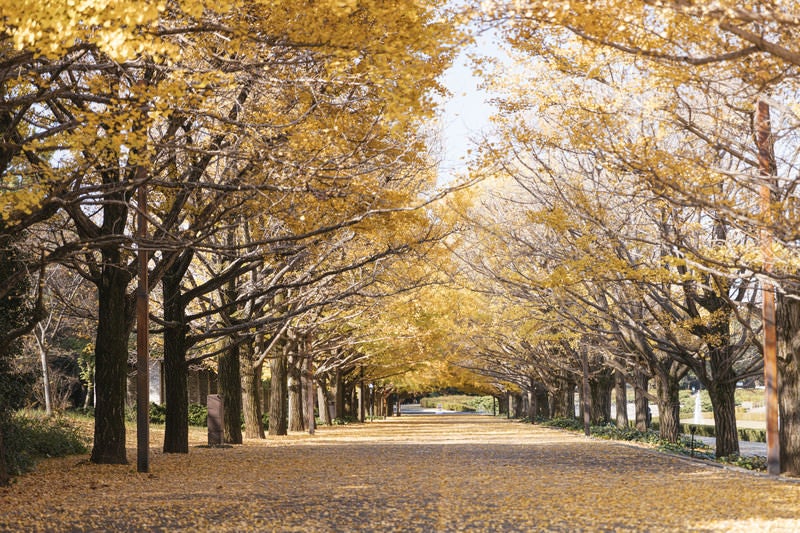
413	473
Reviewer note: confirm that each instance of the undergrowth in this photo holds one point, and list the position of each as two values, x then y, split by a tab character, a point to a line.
31	437
652	438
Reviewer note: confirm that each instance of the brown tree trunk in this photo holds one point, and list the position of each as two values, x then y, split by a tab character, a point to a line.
176	387
251	393
621	398
669	407
111	362
533	401
308	378
230	387
323	401
278	407
562	399
724	404
339	391
788	328
296	422
640	383
601	386
5	478
542	401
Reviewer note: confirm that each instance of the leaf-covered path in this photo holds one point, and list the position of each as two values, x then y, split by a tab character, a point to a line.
413	473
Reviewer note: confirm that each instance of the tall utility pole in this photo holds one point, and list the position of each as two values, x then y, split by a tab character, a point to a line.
142	348
768	171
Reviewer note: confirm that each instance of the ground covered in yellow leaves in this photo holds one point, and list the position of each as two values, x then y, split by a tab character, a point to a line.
413	473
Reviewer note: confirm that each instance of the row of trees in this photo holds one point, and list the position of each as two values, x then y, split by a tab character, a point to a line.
615	239
622	236
281	153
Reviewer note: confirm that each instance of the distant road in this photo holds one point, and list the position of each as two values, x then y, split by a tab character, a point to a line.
417	409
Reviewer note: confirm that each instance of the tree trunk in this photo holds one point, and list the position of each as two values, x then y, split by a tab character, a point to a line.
323	401
789	405
111	362
640	382
362	396
278	407
669	407
562	399
176	424
533	402
788	327
339	391
251	393
5	478
724	404
230	387
308	377
621	398
41	342
601	386
295	383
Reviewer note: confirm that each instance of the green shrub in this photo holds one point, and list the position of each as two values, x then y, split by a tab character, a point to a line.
198	415
158	413
461	403
29	437
750	463
344	420
565	423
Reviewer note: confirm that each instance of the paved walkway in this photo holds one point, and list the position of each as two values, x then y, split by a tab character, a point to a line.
413	473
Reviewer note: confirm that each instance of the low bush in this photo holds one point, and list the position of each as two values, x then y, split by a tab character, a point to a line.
684	446
745	434
158	413
29	437
344	420
750	463
198	415
461	403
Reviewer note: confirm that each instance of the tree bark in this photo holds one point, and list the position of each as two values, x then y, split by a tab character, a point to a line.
308	378
295	383
230	387
339	391
111	361
601	386
533	401
722	393
562	399
788	328
42	343
251	393
621	398
669	407
5	478
640	383
278	408
176	387
323	400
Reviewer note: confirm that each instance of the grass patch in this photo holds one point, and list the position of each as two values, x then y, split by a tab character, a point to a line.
461	403
31	436
651	438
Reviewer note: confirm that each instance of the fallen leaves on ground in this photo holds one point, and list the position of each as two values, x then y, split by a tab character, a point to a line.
413	473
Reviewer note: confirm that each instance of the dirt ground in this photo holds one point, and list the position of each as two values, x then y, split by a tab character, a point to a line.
413	473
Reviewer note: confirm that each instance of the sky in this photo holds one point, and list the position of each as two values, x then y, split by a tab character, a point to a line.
464	117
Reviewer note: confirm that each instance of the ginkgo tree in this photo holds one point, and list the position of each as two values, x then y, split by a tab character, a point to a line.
99	112
688	77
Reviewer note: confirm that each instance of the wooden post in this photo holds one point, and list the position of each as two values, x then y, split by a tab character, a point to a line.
142	348
768	170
